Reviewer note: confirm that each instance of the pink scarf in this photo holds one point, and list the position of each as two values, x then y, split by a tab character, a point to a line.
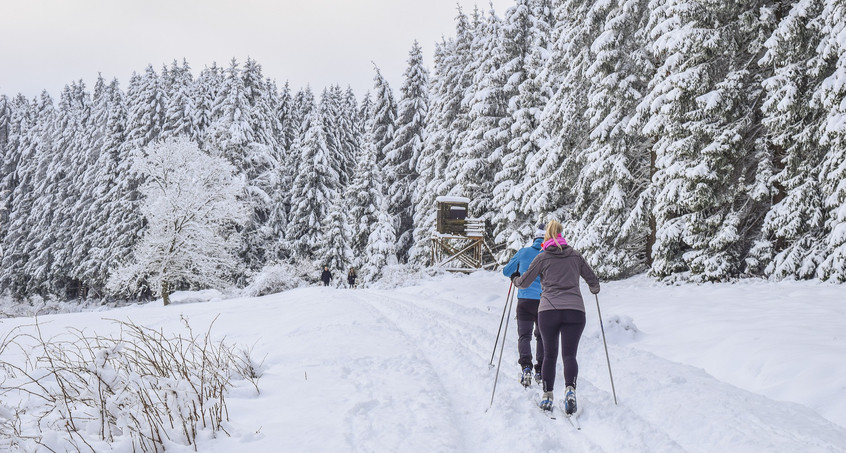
559	241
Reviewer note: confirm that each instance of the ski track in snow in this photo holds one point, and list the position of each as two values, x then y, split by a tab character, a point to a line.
665	406
370	370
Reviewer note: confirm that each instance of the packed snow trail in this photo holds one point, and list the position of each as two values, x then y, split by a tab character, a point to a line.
407	370
668	406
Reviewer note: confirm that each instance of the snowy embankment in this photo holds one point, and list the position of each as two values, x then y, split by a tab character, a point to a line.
753	366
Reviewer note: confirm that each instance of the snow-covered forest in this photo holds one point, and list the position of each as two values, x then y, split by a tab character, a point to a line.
698	141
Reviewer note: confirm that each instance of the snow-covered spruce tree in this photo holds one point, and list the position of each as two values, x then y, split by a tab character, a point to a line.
280	205
332	112
381	247
285	117
471	164
236	135
231	132
181	112
76	152
114	213
304	103
262	97
334	247
350	131
521	51
549	186
90	203
703	109
446	122
5	126
192	204
313	190
146	103
6	154
204	92
609	227
831	95
364	198
19	163
382	116
35	202
792	235
404	150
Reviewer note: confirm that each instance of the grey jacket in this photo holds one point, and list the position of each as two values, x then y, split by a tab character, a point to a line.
559	270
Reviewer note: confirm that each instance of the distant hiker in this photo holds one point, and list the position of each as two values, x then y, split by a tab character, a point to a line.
527	310
561	313
351	276
326	276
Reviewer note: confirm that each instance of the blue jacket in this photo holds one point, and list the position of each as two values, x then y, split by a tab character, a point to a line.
520	262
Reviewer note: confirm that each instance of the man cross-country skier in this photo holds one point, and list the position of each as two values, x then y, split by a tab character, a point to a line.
528	300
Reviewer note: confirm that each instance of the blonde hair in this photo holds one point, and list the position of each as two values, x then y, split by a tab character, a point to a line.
553	229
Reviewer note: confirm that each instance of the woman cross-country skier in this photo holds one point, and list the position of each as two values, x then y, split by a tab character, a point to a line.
561	314
528	300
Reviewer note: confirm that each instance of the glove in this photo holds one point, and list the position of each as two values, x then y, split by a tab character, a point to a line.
515	275
594	290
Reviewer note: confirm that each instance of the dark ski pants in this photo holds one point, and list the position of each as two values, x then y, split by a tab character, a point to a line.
567	325
527	321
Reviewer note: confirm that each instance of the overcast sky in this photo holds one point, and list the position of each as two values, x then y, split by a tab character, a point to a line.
45	44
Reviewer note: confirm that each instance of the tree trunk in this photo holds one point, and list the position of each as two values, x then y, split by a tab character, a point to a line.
653	225
165	292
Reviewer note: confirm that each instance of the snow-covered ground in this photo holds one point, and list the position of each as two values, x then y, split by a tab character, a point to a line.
752	366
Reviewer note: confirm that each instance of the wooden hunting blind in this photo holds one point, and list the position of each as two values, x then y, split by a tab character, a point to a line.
452	214
459	242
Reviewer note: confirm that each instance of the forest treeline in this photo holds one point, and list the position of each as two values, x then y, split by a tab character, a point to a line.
701	141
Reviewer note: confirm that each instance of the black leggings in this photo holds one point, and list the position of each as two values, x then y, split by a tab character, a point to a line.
567	325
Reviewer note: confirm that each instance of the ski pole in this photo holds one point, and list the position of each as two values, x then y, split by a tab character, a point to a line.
501	348
614	392
490	365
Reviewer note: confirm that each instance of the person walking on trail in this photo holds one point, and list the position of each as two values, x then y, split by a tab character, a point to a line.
528	300
351	276
561	314
326	276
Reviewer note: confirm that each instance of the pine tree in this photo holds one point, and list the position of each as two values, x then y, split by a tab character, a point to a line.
19	162
383	116
27	260
89	205
473	164
331	111
831	94
301	113
792	233
522	52
146	106
181	113
364	197
548	188
238	134
206	90
313	189
115	212
350	131
381	245
447	123
5	126
703	116
404	150
610	228
334	248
